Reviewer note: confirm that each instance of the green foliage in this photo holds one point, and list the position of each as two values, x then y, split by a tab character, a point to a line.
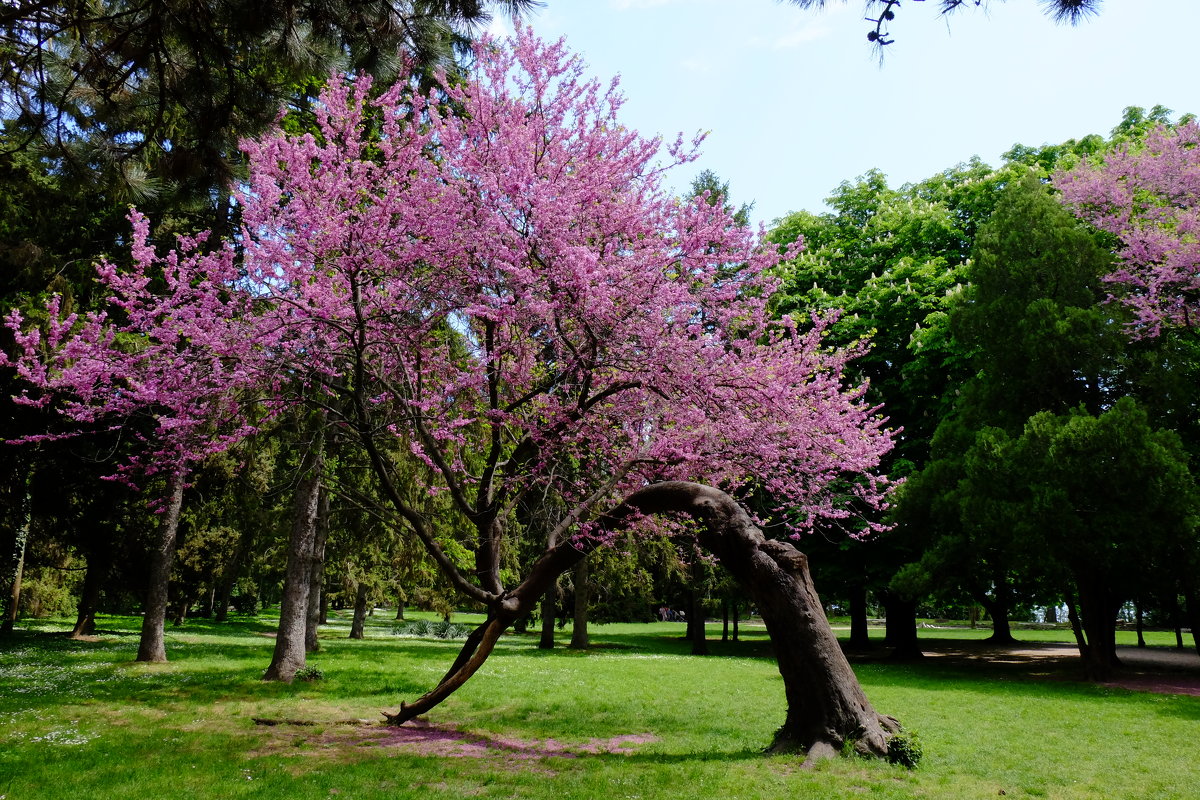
431	629
309	673
904	749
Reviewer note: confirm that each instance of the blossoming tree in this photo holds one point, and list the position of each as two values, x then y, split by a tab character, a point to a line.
492	280
1147	194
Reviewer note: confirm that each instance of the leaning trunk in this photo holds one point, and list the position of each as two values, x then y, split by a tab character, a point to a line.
827	709
151	646
293	610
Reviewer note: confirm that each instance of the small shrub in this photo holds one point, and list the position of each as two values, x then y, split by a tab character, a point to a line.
904	749
310	673
423	628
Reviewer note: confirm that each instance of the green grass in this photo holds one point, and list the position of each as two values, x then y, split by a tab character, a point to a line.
81	720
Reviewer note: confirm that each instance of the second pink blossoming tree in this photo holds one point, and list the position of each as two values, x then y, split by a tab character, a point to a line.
492	279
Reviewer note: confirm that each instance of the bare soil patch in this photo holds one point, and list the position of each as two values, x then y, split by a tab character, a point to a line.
419	737
1145	669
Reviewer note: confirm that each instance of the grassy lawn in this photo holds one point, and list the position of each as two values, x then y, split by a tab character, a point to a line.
81	720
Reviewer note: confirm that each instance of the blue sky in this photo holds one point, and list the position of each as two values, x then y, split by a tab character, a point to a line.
796	101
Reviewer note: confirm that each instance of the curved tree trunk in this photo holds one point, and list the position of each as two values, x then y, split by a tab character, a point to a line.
151	646
289	654
827	708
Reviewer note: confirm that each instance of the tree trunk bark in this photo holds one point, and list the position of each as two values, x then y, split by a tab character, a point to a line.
827	709
1139	624
1097	613
860	636
997	609
579	627
151	646
1193	607
736	615
230	574
21	539
316	575
293	609
358	625
724	620
900	626
89	597
549	613
696	626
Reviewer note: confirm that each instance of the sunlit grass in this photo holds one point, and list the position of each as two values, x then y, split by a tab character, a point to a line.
81	719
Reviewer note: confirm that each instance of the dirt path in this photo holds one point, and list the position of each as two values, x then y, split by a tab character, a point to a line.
1147	669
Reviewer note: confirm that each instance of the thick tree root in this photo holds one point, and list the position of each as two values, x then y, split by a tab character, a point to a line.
869	741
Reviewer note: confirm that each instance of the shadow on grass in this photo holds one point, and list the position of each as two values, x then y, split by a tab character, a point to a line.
219	662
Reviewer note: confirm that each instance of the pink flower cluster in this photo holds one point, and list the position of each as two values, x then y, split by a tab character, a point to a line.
1147	194
493	275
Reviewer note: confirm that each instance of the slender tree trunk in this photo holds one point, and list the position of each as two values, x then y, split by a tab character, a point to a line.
579	628
736	615
399	609
21	539
549	613
1052	614
89	596
549	603
827	709
230	574
1139	623
358	625
293	609
724	620
860	636
1193	607
1076	626
696	624
1177	621
151	646
316	575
